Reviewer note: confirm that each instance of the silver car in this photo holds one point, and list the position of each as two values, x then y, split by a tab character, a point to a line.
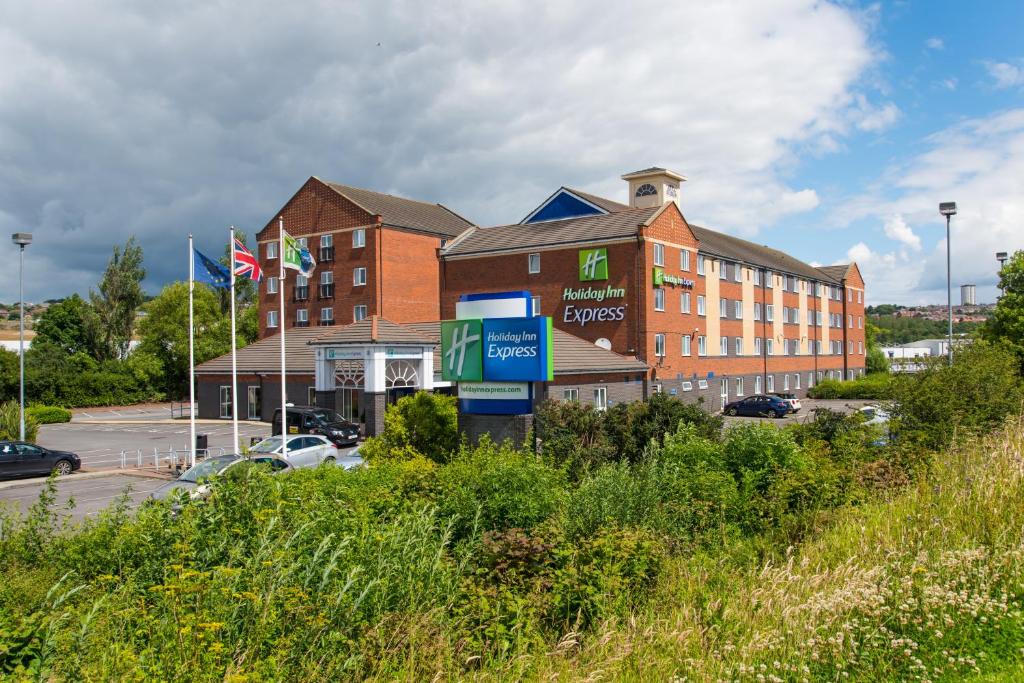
304	450
195	480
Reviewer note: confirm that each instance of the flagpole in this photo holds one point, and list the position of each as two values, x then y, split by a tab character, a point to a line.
281	322
191	356
234	345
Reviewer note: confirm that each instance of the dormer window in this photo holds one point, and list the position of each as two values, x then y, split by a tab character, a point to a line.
646	190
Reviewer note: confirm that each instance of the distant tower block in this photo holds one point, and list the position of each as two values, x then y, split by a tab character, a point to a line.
967	295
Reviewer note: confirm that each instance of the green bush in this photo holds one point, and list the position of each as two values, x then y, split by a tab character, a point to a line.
424	423
632	426
491	487
45	415
876	386
10	423
573	436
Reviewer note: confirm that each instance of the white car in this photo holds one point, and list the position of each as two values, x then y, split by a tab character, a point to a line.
791	399
874	415
304	450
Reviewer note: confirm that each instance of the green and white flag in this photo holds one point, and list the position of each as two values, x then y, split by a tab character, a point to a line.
297	257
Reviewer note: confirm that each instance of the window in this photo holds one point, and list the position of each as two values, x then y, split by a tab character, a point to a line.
358	276
849	348
225	402
769	280
601	398
769	312
739	386
700	265
700	305
271	285
739	346
785	382
646	190
327	316
757	345
738	309
796	380
860	348
757	309
535	305
254	403
359	238
817	346
571	395
771	383
301	288
659	345
302	317
687	386
860	297
684	302
724	346
770	346
327	283
684	259
737	273
702	345
702	384
659	254
721	269
723	308
659	299
271	318
686	345
757	384
810	380
326	247
849	296
533	263
271	250
757	276
860	322
850	318
358	312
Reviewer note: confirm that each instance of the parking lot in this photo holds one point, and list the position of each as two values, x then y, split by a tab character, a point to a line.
808	405
80	496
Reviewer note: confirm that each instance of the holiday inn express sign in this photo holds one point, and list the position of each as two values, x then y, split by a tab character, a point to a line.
593	266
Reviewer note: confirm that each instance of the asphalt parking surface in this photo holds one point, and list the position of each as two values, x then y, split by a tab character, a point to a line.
78	496
806	411
99	441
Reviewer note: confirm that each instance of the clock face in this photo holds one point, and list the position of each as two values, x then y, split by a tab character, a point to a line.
671	191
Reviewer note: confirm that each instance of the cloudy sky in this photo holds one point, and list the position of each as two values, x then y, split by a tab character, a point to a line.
830	130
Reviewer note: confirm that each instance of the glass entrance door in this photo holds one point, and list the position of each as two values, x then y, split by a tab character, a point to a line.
724	388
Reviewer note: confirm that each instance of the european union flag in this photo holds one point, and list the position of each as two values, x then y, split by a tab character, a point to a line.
209	271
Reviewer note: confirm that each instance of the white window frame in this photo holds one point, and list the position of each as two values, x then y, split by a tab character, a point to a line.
701	305
757	384
702	345
327	277
738	342
723	308
684	302
701	265
659	345
757	346
358	277
860	296
225	411
785	382
737	274
769	312
687	386
739	386
860	348
684	259
659	299
796	380
357	310
757	309
533	263
757	276
302	315
659	254
359	238
738	309
326	241
601	398
771	383
326	317
271	318
685	350
535	305
572	395
721	269
253	402
272	285
271	251
723	347
770	346
769	280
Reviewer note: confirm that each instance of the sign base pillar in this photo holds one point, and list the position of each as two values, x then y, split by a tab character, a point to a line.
501	428
374	405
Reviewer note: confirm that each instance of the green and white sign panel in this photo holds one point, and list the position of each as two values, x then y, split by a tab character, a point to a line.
462	358
593	264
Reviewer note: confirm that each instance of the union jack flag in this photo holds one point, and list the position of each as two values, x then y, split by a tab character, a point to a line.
246	265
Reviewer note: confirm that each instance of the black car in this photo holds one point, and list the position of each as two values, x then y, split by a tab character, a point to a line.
313	420
759	405
20	459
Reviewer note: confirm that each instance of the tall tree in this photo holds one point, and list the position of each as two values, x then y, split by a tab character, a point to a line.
1007	321
70	324
118	300
163	332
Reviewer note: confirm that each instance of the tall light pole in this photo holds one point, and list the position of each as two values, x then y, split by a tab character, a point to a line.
948	209
22	239
1001	256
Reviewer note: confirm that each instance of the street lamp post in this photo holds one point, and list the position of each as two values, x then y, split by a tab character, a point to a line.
948	209
22	239
1001	256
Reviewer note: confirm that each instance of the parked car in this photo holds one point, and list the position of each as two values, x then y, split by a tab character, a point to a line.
759	405
313	420
350	460
195	480
791	399
874	415
303	451
20	459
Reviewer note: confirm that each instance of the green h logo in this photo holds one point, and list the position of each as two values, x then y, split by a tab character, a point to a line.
462	350
593	264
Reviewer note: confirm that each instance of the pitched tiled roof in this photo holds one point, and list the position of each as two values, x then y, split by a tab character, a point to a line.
609	205
729	247
404	213
837	273
373	330
568	231
264	355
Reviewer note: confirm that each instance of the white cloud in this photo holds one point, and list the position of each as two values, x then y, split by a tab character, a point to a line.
979	163
157	120
934	43
1006	75
896	228
949	83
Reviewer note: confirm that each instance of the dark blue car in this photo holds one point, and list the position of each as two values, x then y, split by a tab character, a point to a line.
759	405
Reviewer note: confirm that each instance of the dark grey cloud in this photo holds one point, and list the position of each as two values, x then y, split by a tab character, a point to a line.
159	119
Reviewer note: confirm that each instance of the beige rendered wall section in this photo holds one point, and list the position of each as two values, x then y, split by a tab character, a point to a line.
748	313
711	291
